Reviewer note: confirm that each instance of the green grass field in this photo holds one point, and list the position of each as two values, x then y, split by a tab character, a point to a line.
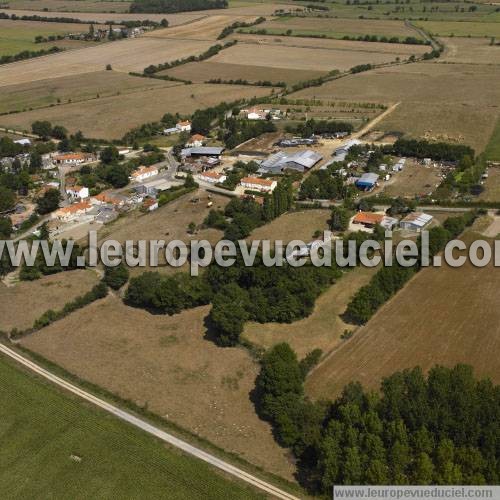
41	429
492	150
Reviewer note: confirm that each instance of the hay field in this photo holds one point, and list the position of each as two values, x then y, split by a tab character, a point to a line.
103	17
207	28
337	28
342	57
42	427
493	147
167	364
442	316
74	88
432	104
16	36
112	117
199	72
450	28
470	50
124	55
26	301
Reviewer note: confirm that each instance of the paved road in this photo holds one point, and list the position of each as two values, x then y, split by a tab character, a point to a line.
150	429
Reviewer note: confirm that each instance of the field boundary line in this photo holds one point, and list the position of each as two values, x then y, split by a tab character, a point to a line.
149	428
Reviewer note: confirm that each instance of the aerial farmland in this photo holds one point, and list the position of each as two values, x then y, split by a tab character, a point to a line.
158	134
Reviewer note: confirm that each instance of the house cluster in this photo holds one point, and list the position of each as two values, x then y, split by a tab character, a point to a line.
182	126
262	114
97	34
300	161
413	222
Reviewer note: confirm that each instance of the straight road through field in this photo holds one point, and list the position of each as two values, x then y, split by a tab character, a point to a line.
147	427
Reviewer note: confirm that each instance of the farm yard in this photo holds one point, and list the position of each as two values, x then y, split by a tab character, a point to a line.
200	72
108	118
17	36
166	364
433	320
414	180
48	292
432	105
335	28
72	450
43	93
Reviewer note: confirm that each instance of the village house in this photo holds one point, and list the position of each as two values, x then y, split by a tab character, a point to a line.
72	158
150	204
108	199
212	177
184	126
258	184
71	212
81	192
371	219
23	142
196	141
143	173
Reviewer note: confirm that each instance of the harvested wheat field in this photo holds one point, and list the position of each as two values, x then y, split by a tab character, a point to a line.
464	327
338	27
132	54
432	104
207	28
199	72
24	302
112	117
66	89
470	50
397	49
166	364
340	55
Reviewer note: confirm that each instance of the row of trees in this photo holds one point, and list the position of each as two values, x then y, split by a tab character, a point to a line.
439	429
388	280
28	54
229	30
320	127
441	151
237	131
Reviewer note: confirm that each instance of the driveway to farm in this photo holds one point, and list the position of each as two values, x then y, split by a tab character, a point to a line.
147	427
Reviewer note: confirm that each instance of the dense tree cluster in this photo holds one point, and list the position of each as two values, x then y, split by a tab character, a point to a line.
237	131
264	294
172	6
48	202
115	277
439	429
167	294
322	185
